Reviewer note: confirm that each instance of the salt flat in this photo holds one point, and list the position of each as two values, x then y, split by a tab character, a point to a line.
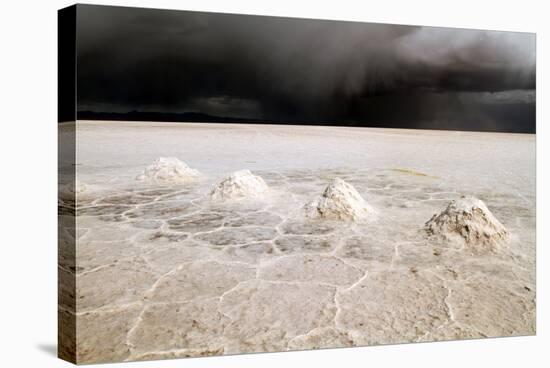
173	273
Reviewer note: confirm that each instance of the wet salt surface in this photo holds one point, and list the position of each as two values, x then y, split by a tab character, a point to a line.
174	274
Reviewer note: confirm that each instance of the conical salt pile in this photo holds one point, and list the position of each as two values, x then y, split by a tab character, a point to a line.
339	201
470	219
168	169
239	185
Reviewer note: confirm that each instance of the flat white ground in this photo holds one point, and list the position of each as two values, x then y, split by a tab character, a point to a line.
174	274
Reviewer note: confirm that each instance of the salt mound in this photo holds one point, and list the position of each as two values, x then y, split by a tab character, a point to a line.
339	201
469	218
168	169
240	184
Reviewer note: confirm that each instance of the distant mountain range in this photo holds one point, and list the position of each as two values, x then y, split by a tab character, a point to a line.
197	117
162	116
510	118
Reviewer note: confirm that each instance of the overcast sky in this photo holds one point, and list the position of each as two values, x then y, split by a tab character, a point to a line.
304	71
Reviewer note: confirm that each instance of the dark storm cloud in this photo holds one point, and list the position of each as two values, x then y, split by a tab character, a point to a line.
299	70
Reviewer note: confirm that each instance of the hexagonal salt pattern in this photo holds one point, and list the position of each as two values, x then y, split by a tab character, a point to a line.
175	274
